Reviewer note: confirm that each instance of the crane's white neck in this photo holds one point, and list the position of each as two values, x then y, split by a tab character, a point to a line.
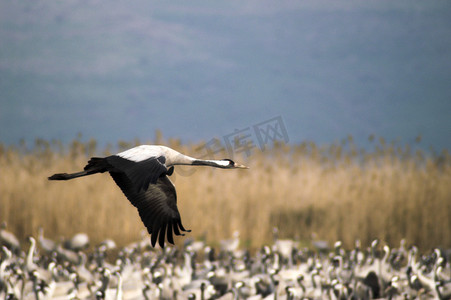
187	160
211	163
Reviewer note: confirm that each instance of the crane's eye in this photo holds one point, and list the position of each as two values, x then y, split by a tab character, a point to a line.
231	162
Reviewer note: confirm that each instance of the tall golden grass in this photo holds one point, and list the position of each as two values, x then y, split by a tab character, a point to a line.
337	192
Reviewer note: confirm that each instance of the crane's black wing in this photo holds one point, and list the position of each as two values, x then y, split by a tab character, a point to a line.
157	206
141	173
146	185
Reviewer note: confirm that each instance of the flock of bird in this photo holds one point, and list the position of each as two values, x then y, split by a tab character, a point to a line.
73	269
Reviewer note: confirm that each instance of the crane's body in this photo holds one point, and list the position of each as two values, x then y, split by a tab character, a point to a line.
142	174
143	152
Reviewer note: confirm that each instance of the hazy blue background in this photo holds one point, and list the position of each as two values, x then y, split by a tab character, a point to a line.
200	69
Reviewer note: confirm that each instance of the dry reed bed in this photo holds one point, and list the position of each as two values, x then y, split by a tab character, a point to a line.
337	192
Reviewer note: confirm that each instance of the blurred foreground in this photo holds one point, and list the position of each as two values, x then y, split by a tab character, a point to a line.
281	270
335	192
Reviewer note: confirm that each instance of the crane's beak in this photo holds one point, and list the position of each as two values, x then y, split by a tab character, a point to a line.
241	166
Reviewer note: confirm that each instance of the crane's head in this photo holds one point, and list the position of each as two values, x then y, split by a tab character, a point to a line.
230	164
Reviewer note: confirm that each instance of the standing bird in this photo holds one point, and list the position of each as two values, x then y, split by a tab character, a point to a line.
142	174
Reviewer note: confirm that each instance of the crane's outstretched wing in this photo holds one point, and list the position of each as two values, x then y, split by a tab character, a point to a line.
141	173
157	206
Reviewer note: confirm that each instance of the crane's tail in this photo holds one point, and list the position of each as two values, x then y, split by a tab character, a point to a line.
95	165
